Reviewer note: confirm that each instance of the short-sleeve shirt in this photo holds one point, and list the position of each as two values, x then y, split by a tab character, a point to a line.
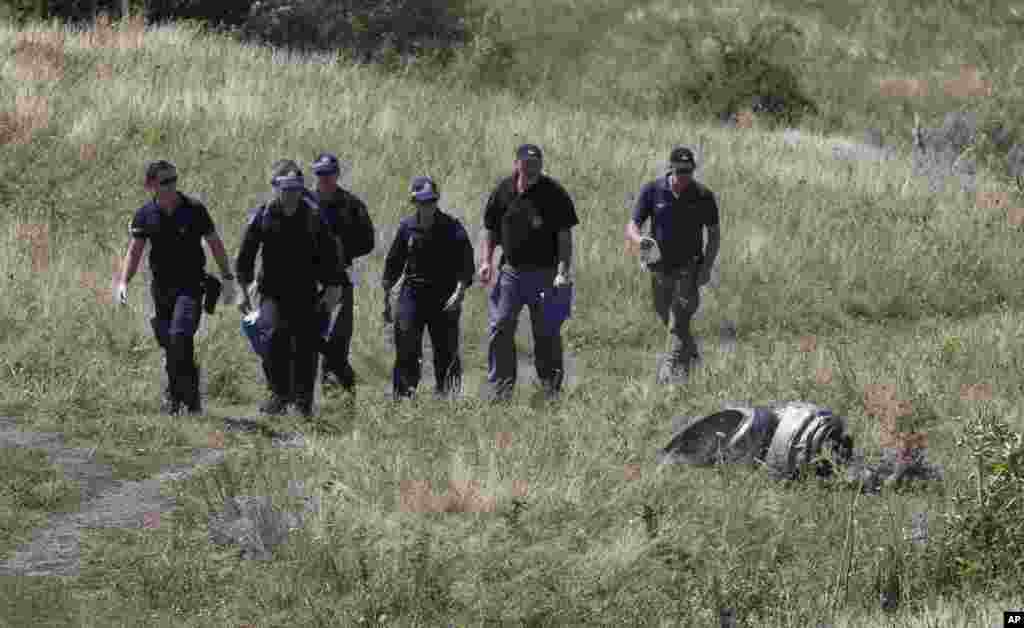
527	224
176	256
677	224
435	258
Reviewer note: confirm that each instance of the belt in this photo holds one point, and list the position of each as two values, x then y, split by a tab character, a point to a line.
526	268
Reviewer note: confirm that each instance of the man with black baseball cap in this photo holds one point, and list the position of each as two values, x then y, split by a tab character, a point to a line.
680	209
350	224
531	216
175	225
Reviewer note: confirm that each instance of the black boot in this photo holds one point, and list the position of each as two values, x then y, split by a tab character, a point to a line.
275	405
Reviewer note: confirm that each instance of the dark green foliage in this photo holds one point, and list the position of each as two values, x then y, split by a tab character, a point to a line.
985	527
217	15
366	30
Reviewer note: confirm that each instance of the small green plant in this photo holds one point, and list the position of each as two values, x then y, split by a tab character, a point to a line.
985	526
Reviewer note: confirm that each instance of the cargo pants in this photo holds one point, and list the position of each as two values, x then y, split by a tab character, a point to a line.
418	309
290	362
514	289
177	314
338	345
676	299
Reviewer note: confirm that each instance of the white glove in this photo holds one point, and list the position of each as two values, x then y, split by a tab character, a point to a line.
121	293
561	280
228	292
455	300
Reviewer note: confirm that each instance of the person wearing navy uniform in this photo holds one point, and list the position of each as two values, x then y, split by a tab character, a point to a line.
175	225
680	210
350	223
298	257
531	216
433	251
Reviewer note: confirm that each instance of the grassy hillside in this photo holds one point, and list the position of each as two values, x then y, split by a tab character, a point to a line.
897	285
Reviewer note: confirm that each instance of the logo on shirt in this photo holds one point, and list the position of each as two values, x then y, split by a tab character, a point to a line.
661	205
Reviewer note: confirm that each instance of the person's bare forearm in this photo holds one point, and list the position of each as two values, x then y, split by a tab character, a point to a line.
219	253
131	260
490	243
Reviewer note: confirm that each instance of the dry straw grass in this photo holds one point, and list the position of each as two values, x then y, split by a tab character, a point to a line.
216	440
104	71
39	56
417	496
127	36
746	119
976	392
31	114
992	200
808	344
36	237
151	520
1015	216
903	88
881	402
88	152
92	282
968	84
823	376
503	440
632	472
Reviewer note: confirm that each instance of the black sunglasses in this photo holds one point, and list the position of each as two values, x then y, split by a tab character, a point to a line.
168	180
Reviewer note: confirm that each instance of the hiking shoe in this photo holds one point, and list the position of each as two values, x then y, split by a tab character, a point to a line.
304	407
275	405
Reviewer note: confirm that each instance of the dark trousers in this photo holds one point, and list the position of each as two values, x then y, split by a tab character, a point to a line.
514	290
290	361
178	311
339	340
417	309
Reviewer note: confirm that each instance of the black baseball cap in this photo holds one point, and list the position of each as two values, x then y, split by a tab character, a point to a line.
158	167
325	164
681	158
529	151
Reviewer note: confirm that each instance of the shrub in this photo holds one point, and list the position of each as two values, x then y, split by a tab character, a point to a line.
985	527
367	30
744	75
223	14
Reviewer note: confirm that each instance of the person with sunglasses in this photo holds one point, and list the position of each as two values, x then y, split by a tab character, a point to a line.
680	210
175	224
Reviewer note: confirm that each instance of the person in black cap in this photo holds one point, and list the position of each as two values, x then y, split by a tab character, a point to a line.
352	227
680	209
531	216
175	224
433	251
298	252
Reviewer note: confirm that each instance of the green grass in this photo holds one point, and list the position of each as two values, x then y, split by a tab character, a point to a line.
899	286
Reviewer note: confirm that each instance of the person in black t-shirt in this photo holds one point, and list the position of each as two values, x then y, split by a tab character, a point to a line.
680	209
175	225
531	216
433	254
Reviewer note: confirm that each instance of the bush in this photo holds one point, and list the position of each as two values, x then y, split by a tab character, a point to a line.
985	527
223	14
743	75
367	30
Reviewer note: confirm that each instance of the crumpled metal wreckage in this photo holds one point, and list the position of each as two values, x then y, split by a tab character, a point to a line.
788	440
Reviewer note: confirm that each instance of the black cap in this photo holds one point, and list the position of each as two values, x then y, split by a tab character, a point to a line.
681	158
326	164
154	168
529	151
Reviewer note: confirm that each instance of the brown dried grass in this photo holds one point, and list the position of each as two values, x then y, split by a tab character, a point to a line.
104	71
88	152
992	200
881	403
36	238
903	87
151	520
503	440
823	376
968	85
1015	216
31	114
632	472
976	392
39	56
746	119
417	496
808	344
127	35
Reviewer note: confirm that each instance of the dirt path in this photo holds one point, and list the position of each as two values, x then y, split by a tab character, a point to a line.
106	502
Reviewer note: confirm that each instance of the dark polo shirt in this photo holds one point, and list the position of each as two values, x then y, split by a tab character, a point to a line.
435	258
677	224
176	256
527	224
